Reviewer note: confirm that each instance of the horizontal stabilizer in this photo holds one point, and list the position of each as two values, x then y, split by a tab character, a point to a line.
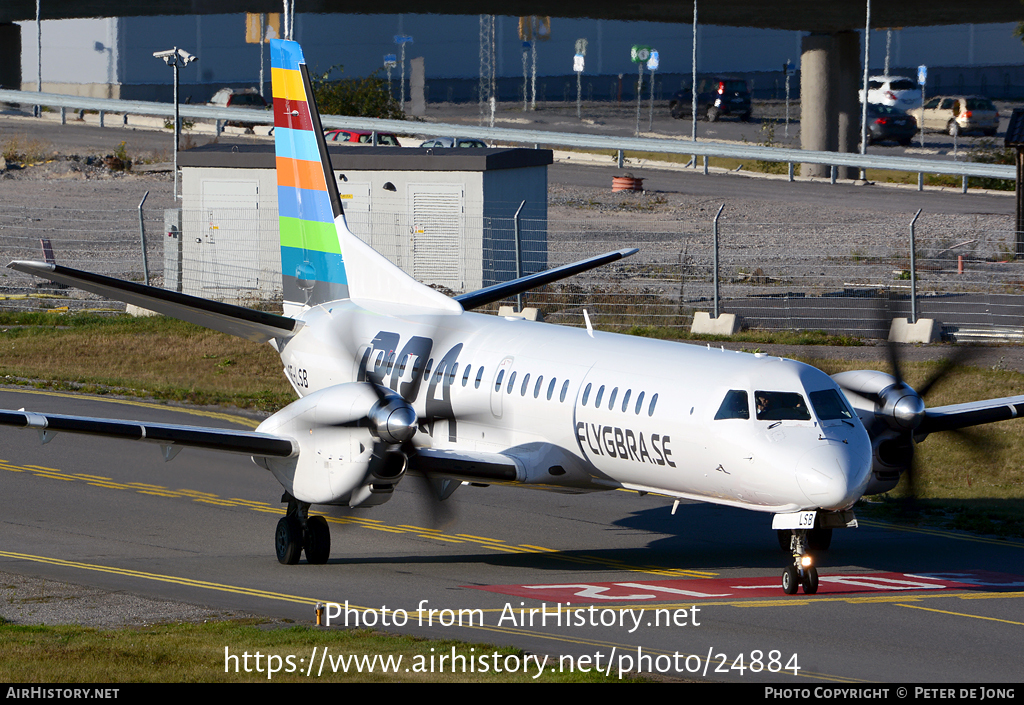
257	326
245	442
482	297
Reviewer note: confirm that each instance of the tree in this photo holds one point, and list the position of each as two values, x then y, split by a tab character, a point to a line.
359	97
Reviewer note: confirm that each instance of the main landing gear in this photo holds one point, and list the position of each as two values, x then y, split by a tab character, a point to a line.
802	570
298	532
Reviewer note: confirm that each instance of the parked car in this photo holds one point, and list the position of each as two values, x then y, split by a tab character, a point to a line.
353	137
716	97
899	92
956	114
454	142
238	98
886	123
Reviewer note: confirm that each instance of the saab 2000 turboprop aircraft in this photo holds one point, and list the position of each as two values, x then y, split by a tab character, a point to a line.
395	378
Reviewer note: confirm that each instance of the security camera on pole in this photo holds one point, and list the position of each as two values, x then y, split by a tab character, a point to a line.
175	58
639	54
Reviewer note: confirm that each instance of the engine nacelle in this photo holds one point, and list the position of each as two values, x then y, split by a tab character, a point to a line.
338	454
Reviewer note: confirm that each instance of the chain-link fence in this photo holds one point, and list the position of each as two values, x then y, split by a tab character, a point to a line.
845	277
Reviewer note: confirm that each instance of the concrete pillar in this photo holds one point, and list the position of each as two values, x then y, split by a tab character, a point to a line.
10	56
846	85
818	127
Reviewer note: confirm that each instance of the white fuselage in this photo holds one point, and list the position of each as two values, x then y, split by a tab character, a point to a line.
582	412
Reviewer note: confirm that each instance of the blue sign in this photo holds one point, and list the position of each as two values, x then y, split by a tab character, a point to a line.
922	75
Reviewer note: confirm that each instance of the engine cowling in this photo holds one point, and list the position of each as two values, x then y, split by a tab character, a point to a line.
347	437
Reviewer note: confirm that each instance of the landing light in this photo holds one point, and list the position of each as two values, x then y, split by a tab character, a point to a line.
805	561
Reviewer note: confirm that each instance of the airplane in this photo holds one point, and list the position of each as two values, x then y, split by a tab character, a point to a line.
395	379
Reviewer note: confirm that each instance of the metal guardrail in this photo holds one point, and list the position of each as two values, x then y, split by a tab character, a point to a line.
562	139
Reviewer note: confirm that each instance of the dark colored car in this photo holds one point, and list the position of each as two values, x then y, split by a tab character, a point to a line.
886	123
716	97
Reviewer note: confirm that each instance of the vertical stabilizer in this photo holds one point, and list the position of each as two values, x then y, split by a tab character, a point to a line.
321	260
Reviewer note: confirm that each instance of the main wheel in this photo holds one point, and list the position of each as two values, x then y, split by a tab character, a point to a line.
810	581
288	540
711	114
317	541
790	580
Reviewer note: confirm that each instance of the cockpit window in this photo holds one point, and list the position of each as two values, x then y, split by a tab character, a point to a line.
735	406
781	406
829	405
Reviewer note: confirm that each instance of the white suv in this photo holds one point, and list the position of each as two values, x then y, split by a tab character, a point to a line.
899	92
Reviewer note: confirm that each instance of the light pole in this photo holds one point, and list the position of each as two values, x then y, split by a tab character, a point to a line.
175	58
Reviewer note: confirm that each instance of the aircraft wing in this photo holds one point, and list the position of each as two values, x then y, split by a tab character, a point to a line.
974	413
258	326
171	436
497	292
466	466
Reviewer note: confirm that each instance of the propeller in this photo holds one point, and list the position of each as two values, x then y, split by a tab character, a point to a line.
899	409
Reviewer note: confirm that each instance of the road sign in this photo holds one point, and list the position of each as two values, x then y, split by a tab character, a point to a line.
577	63
403	39
639	53
922	75
390	61
652	62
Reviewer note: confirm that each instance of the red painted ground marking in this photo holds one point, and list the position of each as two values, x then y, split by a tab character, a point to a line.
729	589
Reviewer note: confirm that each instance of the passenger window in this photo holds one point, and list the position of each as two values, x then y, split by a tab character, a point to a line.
597	401
480	377
511	382
654	400
391	363
551	388
565	388
540	383
781	406
586	395
465	376
735	406
451	375
639	403
625	400
526	383
611	399
497	382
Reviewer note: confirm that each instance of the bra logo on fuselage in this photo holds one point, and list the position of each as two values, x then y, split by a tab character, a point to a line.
390	374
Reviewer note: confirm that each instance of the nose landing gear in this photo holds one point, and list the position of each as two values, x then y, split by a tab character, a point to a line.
802	570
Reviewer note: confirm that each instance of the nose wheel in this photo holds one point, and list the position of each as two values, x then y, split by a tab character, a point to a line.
801	572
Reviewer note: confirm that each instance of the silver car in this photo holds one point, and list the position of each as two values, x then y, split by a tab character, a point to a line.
454	142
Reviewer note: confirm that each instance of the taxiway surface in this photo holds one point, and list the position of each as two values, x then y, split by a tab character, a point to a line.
895	604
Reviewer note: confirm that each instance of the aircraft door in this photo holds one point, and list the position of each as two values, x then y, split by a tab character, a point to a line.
500	377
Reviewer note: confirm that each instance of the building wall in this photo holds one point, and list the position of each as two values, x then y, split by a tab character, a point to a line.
113	51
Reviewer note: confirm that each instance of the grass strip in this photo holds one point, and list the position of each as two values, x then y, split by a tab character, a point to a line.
202	653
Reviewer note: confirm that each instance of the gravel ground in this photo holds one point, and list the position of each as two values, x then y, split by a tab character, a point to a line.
31	601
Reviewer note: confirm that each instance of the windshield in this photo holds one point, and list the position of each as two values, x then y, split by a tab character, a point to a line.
781	406
830	406
734	406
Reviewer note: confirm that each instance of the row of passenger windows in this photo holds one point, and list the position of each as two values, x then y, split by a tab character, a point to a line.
449	378
524	386
625	400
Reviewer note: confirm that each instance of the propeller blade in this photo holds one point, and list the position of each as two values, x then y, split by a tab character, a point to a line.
960	356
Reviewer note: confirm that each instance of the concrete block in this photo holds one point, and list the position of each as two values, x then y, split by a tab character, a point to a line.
529	313
926	330
725	324
133	310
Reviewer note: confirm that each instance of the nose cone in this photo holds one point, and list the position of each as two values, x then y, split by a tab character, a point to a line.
834	475
401	425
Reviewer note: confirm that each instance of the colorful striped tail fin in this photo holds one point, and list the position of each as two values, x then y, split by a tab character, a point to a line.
321	260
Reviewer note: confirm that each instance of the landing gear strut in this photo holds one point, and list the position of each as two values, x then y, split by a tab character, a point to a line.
802	570
298	532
